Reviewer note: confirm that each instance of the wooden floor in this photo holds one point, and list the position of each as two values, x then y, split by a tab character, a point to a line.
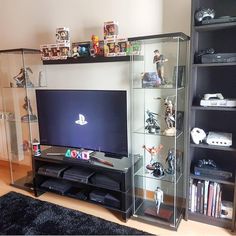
190	228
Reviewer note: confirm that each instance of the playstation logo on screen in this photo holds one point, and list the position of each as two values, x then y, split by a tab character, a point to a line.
81	120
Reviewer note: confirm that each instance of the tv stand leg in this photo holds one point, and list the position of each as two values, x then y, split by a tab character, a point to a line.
124	217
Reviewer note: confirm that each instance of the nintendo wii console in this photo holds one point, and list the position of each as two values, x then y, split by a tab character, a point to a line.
218	103
219	139
217	100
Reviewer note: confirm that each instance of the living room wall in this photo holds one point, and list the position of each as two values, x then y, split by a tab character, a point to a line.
28	24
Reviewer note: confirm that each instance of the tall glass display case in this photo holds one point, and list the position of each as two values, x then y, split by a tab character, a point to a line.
21	72
158	82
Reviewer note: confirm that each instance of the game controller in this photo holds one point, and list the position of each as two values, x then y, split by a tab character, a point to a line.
208	96
198	55
204	14
206	163
198	135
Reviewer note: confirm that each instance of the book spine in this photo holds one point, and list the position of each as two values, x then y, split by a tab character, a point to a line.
206	187
214	199
190	194
210	197
202	198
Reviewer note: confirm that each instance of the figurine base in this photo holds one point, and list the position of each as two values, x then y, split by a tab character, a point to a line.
165	214
29	118
170	131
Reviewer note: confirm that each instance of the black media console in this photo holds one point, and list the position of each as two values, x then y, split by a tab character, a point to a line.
91	181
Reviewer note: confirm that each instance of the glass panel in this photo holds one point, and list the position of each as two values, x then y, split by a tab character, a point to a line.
21	72
158	105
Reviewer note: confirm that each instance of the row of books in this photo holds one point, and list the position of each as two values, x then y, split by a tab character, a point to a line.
205	197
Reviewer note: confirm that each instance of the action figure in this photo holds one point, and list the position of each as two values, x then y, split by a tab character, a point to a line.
153	152
169	118
171	162
159	198
152	124
159	61
22	79
158	170
30	116
95	44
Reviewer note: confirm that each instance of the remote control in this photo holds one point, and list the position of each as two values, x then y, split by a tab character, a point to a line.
55	154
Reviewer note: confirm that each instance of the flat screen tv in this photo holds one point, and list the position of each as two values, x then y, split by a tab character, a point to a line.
90	119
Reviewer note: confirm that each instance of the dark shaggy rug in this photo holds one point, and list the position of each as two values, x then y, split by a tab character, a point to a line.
24	215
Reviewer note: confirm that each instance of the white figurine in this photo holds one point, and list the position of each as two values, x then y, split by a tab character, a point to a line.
169	118
159	198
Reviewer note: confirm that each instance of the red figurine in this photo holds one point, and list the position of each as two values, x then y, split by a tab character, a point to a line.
95	44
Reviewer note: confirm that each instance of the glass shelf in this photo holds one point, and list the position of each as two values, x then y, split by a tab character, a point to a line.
163	107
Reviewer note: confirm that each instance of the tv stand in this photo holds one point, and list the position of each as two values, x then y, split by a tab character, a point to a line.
108	154
95	182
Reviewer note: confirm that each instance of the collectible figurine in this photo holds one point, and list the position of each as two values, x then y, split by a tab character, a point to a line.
158	170
30	116
154	151
152	124
63	35
75	51
22	79
159	198
95	45
159	61
110	29
169	118
170	159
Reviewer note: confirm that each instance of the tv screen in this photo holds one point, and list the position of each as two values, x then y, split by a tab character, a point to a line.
90	119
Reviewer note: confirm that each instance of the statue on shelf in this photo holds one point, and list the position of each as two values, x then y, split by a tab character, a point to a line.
22	78
154	151
170	159
159	60
30	117
169	118
159	198
152	124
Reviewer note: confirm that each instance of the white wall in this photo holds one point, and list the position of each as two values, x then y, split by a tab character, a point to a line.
29	23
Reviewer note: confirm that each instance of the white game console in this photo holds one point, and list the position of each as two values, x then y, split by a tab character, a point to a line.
218	103
219	139
217	100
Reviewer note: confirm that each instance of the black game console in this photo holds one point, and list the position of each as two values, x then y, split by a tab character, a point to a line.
56	185
52	170
97	196
222	19
104	198
212	173
78	174
218	58
105	181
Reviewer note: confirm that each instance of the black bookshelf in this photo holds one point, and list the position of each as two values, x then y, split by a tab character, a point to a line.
212	78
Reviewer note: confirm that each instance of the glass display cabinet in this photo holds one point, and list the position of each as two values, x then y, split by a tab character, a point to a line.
158	82
21	72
